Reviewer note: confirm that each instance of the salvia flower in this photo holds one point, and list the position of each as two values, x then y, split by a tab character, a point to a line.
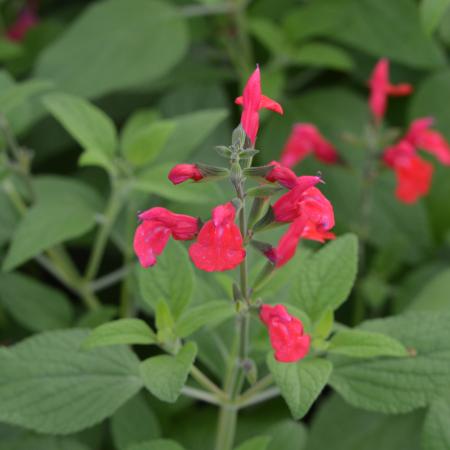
286	333
183	172
287	246
26	20
381	88
282	175
219	244
304	140
157	225
412	172
252	102
421	136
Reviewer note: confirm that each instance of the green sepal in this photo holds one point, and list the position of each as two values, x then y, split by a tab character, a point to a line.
224	151
258	171
210	172
264	191
266	221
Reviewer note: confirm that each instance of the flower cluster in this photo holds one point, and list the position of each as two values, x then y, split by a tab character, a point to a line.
413	173
219	243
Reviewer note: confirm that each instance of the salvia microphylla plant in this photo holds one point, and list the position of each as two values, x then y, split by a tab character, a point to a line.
220	244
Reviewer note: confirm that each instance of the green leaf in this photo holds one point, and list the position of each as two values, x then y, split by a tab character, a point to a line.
389	29
327	277
134	422
64	210
431	13
433	296
49	385
365	344
300	383
97	317
172	279
256	443
287	435
36	306
19	93
158	444
135	44
87	124
164	376
138	121
154	181
190	131
144	146
210	313
339	426
270	35
122	331
436	433
319	54
398	385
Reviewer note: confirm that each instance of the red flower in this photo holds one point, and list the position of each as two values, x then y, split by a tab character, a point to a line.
413	173
281	174
286	333
305	200
305	139
287	246
381	88
219	244
420	135
252	101
158	224
27	19
183	172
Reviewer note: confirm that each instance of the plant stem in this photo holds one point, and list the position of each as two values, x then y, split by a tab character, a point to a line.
101	239
369	174
236	374
259	398
198	394
206	383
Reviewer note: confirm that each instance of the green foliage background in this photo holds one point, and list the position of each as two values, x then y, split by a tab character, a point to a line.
135	86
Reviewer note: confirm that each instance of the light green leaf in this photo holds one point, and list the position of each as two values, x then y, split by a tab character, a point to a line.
434	295
327	277
300	383
164	376
365	344
138	121
144	145
64	210
190	131
19	93
36	306
49	385
154	181
287	435
431	13
339	426
87	124
210	313
122	331
323	55
171	279
157	444
256	443
436	432
398	385
134	422
136	42
164	322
